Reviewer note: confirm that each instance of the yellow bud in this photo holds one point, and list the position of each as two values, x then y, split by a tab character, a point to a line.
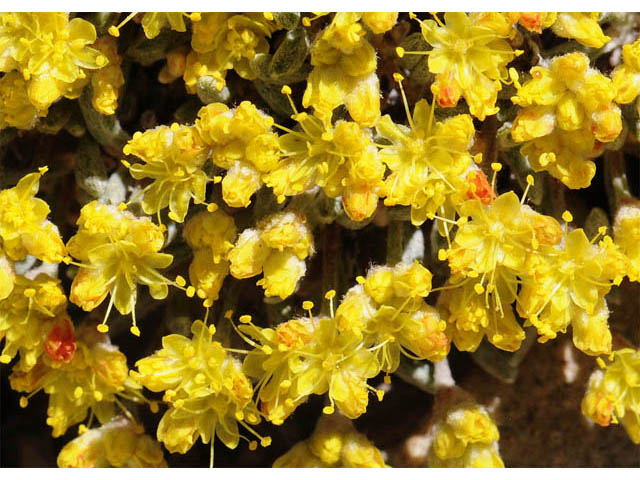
442	254
78	392
24	402
478	288
153	406
530	179
330	294
191	291
286	90
496	167
328	410
5	358
135	330
400	51
306	22
97	395
181	281
253	445
397	77
307	305
245	319
113	31
265	442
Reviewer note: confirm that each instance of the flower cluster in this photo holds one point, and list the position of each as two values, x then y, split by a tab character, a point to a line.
277	247
568	100
466	437
118	443
333	444
45	56
424	185
210	235
613	393
469	57
344	64
120	251
226	41
387	312
28	317
242	143
207	392
308	356
91	380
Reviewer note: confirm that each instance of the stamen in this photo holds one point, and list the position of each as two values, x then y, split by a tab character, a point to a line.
115	31
526	190
398	78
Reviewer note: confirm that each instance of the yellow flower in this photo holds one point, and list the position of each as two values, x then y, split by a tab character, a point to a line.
118	443
580	26
567	156
626	231
427	160
211	236
613	394
469	58
500	234
569	96
92	380
278	246
107	81
309	356
567	286
24	228
489	252
333	444
173	157
340	158
51	52
118	251
466	437
16	109
243	143
626	76
471	316
390	316
379	22
344	71
24	314
207	393
225	41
